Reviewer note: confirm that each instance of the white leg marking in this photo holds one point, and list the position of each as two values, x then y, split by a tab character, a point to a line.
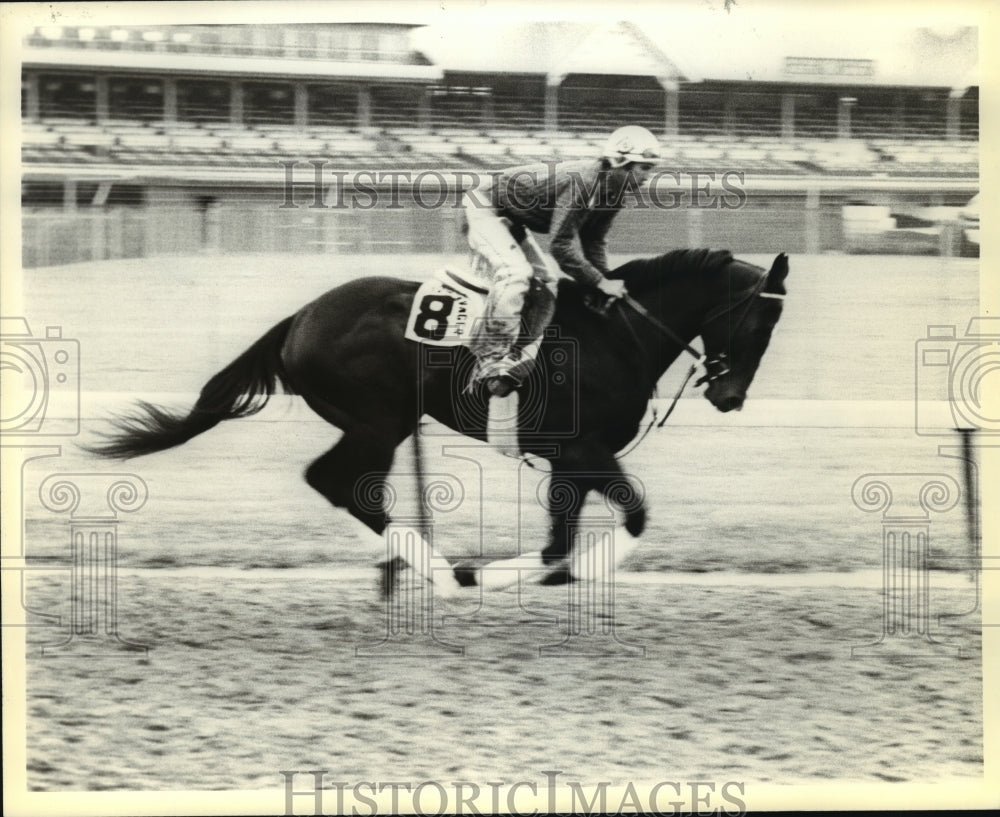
595	562
423	560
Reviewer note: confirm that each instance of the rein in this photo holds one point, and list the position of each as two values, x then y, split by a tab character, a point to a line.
666	330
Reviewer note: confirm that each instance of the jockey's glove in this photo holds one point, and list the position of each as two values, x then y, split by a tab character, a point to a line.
613	289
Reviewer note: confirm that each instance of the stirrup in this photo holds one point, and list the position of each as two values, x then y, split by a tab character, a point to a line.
498	368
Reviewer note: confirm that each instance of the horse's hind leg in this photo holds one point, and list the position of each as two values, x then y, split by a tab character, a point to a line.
350	475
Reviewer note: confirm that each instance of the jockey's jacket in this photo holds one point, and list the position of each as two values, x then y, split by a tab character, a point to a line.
568	199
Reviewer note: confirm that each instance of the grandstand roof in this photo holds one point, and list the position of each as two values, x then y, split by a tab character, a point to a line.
553	48
714	48
64	58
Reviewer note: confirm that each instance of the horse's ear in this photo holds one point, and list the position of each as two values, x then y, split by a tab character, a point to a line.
777	274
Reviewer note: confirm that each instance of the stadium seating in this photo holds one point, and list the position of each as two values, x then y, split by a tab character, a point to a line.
68	140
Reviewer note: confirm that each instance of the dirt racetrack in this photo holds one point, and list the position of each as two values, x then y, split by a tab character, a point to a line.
733	622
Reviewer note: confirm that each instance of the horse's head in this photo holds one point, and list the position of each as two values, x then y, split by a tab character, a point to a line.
736	337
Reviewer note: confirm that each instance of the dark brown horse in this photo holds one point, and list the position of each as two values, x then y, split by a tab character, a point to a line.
346	355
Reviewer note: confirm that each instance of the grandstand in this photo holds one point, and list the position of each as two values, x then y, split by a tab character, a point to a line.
164	139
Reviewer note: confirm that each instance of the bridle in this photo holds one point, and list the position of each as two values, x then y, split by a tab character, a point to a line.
718	366
715	367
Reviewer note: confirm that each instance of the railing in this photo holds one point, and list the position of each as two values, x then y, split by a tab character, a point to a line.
51	237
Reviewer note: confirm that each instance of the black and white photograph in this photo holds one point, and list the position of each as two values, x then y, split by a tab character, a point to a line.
499	407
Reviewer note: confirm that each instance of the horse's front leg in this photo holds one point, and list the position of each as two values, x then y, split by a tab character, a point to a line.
566	495
620	490
572	479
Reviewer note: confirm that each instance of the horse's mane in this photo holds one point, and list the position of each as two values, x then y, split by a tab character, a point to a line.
644	272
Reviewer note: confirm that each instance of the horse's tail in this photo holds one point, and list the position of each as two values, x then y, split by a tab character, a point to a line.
239	390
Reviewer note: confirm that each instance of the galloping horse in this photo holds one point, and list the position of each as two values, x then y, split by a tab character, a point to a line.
346	355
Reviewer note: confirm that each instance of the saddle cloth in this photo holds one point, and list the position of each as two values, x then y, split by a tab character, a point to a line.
447	309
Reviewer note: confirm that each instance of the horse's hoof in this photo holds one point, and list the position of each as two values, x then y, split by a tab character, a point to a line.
466	576
558	577
389	575
635	521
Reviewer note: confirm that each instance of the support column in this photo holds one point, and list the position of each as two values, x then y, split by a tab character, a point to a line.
671	107
489	112
844	105
788	115
905	501
169	100
236	103
424	110
812	221
599	545
94	502
301	91
728	114
69	194
101	101
970	453
694	225
14	568
364	106
899	116
32	98
410	606
552	84
953	114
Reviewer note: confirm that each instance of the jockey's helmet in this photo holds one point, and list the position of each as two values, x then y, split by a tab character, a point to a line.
631	143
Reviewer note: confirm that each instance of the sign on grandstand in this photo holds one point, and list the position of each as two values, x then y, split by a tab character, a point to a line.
829	66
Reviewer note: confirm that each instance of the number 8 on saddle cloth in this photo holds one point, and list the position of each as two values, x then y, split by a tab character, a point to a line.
446	310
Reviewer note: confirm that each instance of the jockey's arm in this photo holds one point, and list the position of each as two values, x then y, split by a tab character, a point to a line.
593	239
568	217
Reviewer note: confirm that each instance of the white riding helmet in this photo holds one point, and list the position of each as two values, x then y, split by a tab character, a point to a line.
631	143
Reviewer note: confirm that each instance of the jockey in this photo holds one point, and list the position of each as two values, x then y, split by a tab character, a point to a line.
570	200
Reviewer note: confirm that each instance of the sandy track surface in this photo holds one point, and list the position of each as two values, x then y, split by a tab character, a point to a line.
245	679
